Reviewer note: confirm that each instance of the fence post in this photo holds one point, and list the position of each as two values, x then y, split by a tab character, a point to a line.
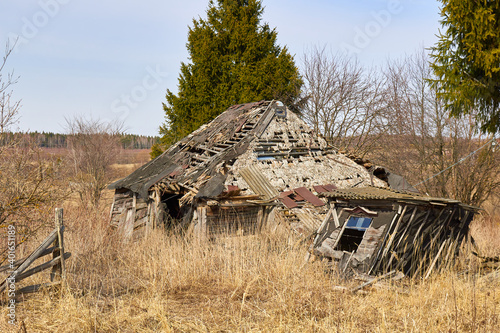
59	247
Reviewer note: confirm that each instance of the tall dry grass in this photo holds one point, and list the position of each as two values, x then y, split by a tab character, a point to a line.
166	283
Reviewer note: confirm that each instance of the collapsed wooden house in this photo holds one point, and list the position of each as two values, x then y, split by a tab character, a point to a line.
375	230
257	160
235	173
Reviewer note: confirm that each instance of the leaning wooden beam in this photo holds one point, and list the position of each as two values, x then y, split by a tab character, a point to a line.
18	262
321	230
449	256
382	251
421	226
31	258
42	267
323	225
435	259
393	234
393	255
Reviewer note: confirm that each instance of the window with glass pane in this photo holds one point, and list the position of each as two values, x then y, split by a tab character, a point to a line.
353	233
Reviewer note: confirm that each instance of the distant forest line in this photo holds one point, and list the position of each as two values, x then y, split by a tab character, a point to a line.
56	140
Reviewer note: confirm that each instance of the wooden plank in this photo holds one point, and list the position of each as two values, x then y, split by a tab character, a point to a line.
200	229
140	222
309	196
17	262
376	262
42	267
128	226
394	232
308	220
260	218
335	218
323	225
141	205
431	267
402	235
374	280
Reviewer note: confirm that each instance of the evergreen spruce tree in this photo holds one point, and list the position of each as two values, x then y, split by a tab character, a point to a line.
234	58
466	60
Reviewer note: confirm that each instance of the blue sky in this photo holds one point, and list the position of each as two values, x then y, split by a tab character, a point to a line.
115	59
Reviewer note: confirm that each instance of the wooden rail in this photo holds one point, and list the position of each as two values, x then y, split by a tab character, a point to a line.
57	263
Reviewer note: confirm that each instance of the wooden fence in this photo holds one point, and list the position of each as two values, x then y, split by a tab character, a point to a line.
57	263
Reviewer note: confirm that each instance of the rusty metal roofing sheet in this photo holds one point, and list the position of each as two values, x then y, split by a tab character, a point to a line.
309	196
320	189
297	197
258	183
330	187
285	194
289	203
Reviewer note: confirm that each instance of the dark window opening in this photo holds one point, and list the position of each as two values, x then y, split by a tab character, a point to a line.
353	234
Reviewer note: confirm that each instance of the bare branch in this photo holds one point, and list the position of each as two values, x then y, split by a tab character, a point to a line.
94	146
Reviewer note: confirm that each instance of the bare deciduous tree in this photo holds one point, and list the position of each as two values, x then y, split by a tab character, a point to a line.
9	109
94	146
27	191
429	147
344	101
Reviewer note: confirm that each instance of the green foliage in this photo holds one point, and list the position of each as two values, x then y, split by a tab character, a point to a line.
234	59
155	151
466	60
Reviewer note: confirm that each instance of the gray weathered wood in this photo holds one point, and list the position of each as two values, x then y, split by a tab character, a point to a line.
408	224
393	234
59	269
376	260
31	258
374	280
42	267
18	262
431	267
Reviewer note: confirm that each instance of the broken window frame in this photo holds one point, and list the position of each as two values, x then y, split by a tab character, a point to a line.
344	227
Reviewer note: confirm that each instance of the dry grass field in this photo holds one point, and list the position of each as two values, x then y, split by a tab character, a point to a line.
167	283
